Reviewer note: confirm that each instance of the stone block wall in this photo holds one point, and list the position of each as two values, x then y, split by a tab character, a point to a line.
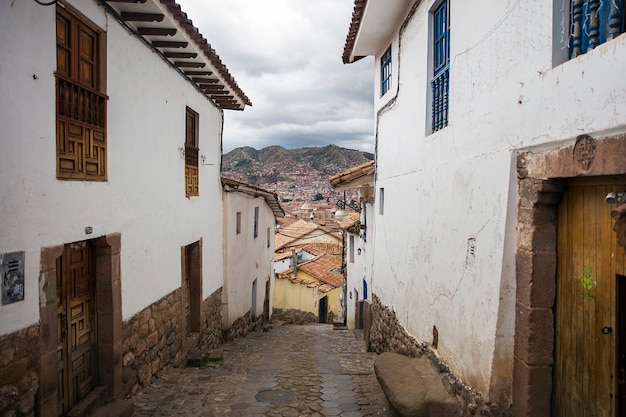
19	372
211	334
386	334
294	316
152	341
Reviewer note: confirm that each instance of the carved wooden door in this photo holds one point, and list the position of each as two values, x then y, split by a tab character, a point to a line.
590	262
76	324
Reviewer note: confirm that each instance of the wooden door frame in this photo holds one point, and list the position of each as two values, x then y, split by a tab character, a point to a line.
109	321
542	177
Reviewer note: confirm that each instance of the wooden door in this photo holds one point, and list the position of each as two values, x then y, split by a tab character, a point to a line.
589	262
191	287
621	345
76	324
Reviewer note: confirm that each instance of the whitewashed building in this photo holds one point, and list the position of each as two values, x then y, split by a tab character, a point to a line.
500	136
250	214
111	246
358	228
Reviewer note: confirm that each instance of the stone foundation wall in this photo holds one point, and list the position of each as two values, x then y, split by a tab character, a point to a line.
19	372
211	334
387	335
152	341
294	316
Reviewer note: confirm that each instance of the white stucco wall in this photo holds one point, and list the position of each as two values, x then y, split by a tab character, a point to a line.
457	188
247	258
361	268
144	197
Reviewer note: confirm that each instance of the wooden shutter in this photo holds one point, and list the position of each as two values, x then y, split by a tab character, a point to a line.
80	105
191	154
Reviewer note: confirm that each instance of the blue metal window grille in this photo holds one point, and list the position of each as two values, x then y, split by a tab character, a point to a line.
441	66
593	22
385	71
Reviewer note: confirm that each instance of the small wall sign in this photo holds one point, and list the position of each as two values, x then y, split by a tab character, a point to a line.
12	270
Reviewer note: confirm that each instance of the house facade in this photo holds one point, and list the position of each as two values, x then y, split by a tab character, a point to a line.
500	136
358	227
250	214
313	287
111	249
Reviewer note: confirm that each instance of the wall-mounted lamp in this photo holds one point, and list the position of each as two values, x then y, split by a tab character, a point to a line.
181	151
615	197
342	213
358	251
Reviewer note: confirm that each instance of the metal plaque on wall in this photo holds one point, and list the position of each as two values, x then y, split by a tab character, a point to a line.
12	269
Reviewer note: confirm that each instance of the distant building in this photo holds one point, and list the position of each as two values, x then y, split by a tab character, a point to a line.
250	214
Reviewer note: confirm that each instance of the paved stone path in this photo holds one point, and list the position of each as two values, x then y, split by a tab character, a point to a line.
289	371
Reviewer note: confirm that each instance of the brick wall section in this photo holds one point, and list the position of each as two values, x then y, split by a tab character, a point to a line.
293	316
19	372
152	341
387	335
536	291
211	335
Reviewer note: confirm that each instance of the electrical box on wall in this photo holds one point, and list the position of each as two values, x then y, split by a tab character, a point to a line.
12	270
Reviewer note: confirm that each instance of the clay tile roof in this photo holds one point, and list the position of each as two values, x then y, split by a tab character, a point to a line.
357	14
326	268
213	79
352	174
293	232
271	198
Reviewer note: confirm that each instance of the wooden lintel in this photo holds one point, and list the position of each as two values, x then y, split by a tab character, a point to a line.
157	31
169	44
142	17
180	54
191	73
182	64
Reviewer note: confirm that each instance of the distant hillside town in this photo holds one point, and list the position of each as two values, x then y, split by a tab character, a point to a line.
300	177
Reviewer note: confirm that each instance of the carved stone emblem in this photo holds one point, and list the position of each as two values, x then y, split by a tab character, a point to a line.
584	152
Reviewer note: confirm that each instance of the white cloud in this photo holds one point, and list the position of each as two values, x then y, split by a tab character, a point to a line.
286	57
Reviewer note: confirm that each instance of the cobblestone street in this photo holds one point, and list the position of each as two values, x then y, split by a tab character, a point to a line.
291	370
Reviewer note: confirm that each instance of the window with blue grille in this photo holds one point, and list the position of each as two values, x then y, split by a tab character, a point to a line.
441	66
385	71
593	22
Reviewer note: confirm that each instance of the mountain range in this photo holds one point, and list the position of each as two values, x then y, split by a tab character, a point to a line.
275	164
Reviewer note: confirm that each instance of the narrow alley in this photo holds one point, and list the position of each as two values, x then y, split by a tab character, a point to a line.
290	370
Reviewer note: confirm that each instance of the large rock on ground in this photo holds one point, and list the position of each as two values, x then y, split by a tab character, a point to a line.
413	387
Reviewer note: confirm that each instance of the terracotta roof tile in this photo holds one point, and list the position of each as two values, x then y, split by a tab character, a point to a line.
355	24
353	173
326	268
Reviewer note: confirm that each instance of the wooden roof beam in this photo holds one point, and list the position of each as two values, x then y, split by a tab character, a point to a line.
157	31
180	54
169	44
142	17
182	64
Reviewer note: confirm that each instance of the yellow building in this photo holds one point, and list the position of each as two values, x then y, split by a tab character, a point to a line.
312	287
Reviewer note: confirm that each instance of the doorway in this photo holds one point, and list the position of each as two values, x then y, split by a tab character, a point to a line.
323	308
588	312
76	324
191	287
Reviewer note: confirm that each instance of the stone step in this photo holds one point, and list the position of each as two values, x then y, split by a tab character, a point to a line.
413	387
87	405
117	408
97	404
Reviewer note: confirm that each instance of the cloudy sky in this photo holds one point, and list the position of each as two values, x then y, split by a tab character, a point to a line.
286	57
